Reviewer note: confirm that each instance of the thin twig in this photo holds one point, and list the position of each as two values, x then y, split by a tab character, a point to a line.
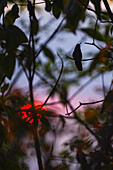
108	10
103	85
43	79
81	121
56	81
50	38
95	31
83	86
25	4
93	44
2	80
82	104
82	59
25	72
92	10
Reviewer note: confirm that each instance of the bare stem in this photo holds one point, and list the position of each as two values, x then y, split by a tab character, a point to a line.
37	147
55	83
81	104
108	10
81	121
50	38
30	79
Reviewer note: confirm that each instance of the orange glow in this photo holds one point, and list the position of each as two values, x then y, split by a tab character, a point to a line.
28	115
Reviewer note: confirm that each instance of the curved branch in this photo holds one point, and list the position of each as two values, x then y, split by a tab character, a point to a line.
56	81
82	122
108	10
81	104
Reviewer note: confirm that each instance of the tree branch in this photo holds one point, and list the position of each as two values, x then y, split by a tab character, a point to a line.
50	38
83	86
55	83
81	121
81	104
108	10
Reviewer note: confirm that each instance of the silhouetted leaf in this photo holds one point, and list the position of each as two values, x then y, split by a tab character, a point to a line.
48	53
3	3
14	37
108	103
97	7
56	10
74	13
4	88
7	64
47	5
77	55
98	35
12	15
111	30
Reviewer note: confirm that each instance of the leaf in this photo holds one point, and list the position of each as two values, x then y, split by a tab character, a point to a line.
47	5
91	115
7	64
108	103
15	10
98	35
56	11
11	15
74	13
111	30
3	3
48	53
60	4
97	7
77	55
14	37
4	88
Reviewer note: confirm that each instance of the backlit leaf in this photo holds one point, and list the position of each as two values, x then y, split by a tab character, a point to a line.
91	115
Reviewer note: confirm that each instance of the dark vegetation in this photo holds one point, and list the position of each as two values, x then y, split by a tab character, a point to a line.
38	130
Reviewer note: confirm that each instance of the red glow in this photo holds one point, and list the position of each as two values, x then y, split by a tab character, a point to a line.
28	115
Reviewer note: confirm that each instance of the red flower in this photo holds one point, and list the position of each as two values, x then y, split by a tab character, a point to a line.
28	116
